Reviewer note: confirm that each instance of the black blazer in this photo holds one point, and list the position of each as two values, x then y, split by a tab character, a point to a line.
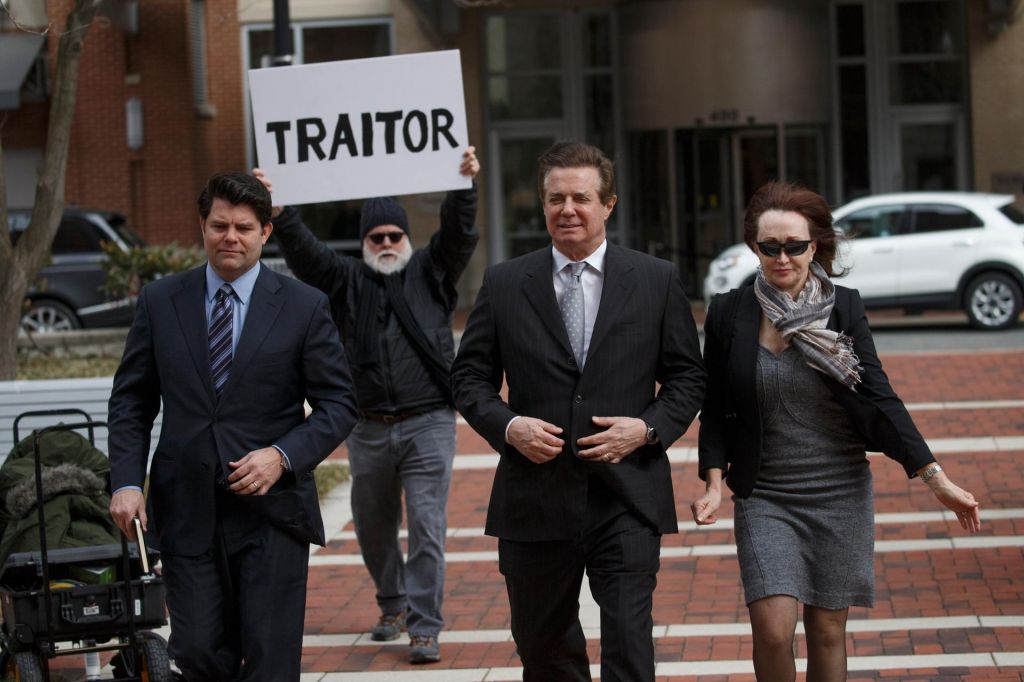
289	350
644	335
730	422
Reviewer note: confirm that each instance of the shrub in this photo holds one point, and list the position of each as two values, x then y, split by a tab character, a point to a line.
128	271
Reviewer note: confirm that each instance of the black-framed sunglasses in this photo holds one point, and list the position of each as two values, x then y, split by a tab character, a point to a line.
379	237
773	249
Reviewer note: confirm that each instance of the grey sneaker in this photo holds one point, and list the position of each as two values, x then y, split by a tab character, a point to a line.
424	649
389	627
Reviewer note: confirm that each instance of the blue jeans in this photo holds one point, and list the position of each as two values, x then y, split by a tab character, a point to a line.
414	455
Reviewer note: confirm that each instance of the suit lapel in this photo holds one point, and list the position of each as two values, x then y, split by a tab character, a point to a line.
539	289
264	307
190	307
619	283
744	350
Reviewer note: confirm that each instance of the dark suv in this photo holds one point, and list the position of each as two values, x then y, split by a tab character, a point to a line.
69	292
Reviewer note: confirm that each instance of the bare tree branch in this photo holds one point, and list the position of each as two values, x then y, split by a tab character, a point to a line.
20	265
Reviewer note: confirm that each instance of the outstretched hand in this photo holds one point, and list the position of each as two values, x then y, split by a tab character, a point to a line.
958	500
470	165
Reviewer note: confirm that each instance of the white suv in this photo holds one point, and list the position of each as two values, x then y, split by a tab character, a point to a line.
917	251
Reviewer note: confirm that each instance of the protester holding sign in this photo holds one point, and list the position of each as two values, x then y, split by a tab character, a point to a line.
394	311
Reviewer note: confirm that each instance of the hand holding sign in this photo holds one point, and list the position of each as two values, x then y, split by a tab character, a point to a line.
362	127
470	166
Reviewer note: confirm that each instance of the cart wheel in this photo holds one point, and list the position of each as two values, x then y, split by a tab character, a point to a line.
21	667
156	666
148	661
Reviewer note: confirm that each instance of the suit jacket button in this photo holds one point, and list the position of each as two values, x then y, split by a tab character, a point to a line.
579	399
572	361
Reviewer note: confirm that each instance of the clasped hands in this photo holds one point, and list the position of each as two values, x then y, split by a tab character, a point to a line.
254	474
540	441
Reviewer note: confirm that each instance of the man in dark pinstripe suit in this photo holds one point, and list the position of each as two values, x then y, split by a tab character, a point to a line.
600	353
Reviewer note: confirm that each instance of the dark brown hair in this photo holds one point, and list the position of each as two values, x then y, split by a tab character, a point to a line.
787	196
577	155
239	189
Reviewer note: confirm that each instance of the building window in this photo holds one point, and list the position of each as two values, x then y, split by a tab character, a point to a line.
900	83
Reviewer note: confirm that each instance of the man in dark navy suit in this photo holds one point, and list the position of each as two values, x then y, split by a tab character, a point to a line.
599	350
231	349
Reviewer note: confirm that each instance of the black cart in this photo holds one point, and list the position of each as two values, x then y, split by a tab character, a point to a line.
43	609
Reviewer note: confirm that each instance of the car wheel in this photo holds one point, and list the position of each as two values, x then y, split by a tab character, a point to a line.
993	301
48	315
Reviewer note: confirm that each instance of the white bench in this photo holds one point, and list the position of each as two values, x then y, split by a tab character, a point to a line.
90	395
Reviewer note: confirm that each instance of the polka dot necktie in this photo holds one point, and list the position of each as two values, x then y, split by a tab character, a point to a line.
573	311
221	337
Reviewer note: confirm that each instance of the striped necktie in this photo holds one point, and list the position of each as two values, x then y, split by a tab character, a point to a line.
221	337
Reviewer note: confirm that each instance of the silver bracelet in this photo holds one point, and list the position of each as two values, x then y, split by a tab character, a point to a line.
930	471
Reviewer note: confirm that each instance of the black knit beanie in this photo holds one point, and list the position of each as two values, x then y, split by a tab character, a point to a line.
382	211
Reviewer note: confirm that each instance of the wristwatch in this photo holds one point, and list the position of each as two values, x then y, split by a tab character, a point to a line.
651	436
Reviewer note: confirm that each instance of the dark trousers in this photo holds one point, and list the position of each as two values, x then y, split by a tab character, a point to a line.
237	611
620	554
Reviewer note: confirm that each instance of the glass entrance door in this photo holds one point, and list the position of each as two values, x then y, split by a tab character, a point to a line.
517	207
550	75
720	170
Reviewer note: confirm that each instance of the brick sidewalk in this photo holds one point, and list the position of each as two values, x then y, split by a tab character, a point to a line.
926	584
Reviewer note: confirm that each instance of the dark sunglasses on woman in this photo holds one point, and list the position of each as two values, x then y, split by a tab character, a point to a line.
773	249
379	237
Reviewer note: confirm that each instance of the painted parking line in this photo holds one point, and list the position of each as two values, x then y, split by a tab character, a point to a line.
688	630
921	407
977	660
688	454
668	553
904	518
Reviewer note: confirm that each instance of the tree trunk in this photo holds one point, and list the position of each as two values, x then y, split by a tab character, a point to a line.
20	265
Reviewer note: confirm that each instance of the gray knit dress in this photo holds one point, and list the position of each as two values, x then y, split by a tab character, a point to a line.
807	529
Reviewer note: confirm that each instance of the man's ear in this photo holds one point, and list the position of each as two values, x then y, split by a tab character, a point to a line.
266	230
610	204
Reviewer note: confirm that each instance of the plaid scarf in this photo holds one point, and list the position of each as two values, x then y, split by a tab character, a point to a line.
802	323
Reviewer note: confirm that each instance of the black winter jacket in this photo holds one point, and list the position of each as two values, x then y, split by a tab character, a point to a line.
400	382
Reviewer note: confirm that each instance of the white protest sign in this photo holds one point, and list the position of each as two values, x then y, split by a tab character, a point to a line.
361	128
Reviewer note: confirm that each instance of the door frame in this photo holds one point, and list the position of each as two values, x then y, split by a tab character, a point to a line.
497	236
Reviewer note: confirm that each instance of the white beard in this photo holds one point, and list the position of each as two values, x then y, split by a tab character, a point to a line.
391	265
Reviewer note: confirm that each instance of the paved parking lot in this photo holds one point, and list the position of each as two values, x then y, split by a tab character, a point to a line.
949	606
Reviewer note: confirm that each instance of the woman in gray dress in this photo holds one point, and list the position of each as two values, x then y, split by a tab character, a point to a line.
796	394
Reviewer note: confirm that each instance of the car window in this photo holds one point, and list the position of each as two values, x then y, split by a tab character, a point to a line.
1013	213
942	217
127	234
77	235
877	221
